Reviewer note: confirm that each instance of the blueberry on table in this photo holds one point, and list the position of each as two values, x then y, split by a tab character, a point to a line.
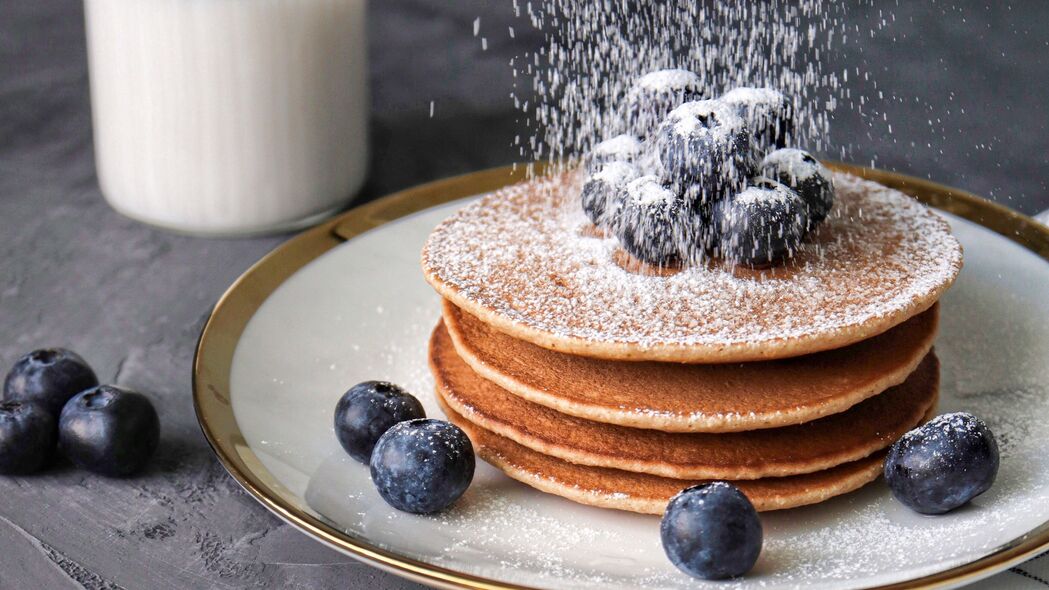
711	531
768	113
806	175
422	466
109	430
603	192
367	411
704	147
27	437
761	226
654	223
657	93
621	148
50	377
943	464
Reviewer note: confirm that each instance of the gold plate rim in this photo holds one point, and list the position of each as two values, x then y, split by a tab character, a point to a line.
219	337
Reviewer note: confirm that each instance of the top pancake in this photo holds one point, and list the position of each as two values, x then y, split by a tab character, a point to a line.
522	261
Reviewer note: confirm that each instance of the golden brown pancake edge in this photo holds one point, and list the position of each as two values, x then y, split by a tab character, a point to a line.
744	396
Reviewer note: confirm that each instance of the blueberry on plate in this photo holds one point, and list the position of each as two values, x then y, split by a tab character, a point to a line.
604	190
761	226
50	377
654	223
109	430
769	115
367	411
27	437
711	531
621	148
943	464
422	466
657	93
704	147
806	175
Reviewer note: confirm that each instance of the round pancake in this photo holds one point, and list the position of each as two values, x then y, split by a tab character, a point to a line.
677	397
649	494
521	261
852	435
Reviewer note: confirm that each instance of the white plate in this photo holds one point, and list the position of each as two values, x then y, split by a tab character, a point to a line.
362	311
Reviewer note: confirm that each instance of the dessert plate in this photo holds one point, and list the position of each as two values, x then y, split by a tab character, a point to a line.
346	301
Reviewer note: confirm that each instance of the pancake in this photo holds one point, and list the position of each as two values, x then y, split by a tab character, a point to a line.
864	429
678	397
521	261
649	494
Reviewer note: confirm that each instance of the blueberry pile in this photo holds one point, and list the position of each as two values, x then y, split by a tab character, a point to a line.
52	400
418	465
697	178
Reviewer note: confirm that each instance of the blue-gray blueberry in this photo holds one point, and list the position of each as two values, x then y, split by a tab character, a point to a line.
367	411
109	430
805	175
942	464
28	435
761	226
50	377
711	531
422	466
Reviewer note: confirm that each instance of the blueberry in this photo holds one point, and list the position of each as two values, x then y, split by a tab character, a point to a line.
769	115
50	377
27	436
654	224
806	175
422	466
109	430
657	93
761	226
704	147
711	531
942	465
603	192
367	411
621	148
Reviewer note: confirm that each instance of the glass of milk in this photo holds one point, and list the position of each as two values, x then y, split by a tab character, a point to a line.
228	117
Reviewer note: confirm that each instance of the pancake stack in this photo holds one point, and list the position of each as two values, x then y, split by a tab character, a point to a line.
618	386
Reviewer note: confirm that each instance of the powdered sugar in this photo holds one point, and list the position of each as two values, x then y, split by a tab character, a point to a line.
753	195
624	147
706	117
792	161
648	190
670	81
518	254
615	173
748	96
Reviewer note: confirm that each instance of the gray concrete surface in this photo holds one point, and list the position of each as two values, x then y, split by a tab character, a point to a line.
132	299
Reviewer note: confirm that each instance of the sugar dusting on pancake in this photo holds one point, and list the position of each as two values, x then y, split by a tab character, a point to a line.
519	259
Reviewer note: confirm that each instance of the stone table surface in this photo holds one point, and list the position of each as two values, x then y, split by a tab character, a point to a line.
965	88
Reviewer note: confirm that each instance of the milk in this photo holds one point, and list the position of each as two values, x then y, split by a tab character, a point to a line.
228	116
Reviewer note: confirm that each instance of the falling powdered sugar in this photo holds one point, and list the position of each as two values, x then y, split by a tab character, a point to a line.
597	54
706	118
648	190
615	173
621	147
670	80
763	197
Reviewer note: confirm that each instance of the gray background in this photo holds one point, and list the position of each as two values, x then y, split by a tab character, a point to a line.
132	299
